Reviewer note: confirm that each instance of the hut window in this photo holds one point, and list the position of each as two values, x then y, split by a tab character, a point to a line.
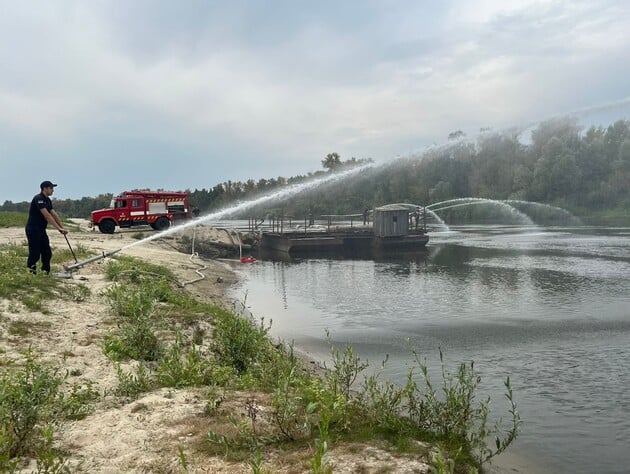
394	218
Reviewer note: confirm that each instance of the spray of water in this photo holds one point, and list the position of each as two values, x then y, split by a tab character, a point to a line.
459	202
439	220
593	109
298	188
520	128
243	206
547	207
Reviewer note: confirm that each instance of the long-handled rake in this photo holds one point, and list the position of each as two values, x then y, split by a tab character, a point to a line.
66	274
70	247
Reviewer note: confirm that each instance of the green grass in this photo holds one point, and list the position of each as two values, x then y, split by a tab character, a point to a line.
23	328
133	270
32	404
18	219
35	292
13	219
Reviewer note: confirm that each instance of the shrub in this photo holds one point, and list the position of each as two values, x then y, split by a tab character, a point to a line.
32	404
78	403
239	342
183	367
291	414
130	304
135	337
133	341
451	413
27	403
132	384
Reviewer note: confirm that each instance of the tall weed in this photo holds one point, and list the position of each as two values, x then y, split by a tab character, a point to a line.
135	336
28	401
452	412
133	341
32	404
182	366
131	384
239	342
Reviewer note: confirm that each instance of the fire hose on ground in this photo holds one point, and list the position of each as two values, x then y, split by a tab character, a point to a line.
68	269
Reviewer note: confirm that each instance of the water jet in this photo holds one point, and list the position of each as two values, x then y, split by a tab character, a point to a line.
242	206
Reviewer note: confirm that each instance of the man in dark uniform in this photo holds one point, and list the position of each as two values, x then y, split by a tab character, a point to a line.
40	214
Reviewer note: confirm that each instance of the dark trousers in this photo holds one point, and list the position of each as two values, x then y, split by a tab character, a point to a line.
38	247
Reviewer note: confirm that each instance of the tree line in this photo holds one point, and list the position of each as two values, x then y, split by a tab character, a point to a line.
205	200
560	164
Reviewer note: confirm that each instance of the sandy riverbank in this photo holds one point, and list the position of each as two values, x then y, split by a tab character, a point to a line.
116	438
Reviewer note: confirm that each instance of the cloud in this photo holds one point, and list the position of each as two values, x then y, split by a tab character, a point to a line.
252	89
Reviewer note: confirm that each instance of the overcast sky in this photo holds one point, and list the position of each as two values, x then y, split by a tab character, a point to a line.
103	96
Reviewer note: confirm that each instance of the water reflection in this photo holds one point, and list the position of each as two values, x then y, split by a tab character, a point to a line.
377	255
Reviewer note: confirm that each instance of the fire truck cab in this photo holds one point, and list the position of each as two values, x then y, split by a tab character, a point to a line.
133	208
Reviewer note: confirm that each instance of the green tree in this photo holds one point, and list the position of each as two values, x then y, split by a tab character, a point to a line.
556	174
622	163
332	161
521	180
456	134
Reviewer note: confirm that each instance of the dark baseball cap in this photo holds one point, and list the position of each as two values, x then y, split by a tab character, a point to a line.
47	184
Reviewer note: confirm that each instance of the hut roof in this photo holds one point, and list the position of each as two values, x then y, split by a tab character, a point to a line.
397	207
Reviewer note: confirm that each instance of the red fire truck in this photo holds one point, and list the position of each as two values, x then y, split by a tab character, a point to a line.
140	207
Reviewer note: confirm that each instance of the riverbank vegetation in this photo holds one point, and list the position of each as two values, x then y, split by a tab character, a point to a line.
36	291
13	219
18	219
260	398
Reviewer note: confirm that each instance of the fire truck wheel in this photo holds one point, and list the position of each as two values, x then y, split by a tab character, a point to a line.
162	224
107	226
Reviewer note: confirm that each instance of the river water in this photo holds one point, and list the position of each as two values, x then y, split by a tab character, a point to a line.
548	306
